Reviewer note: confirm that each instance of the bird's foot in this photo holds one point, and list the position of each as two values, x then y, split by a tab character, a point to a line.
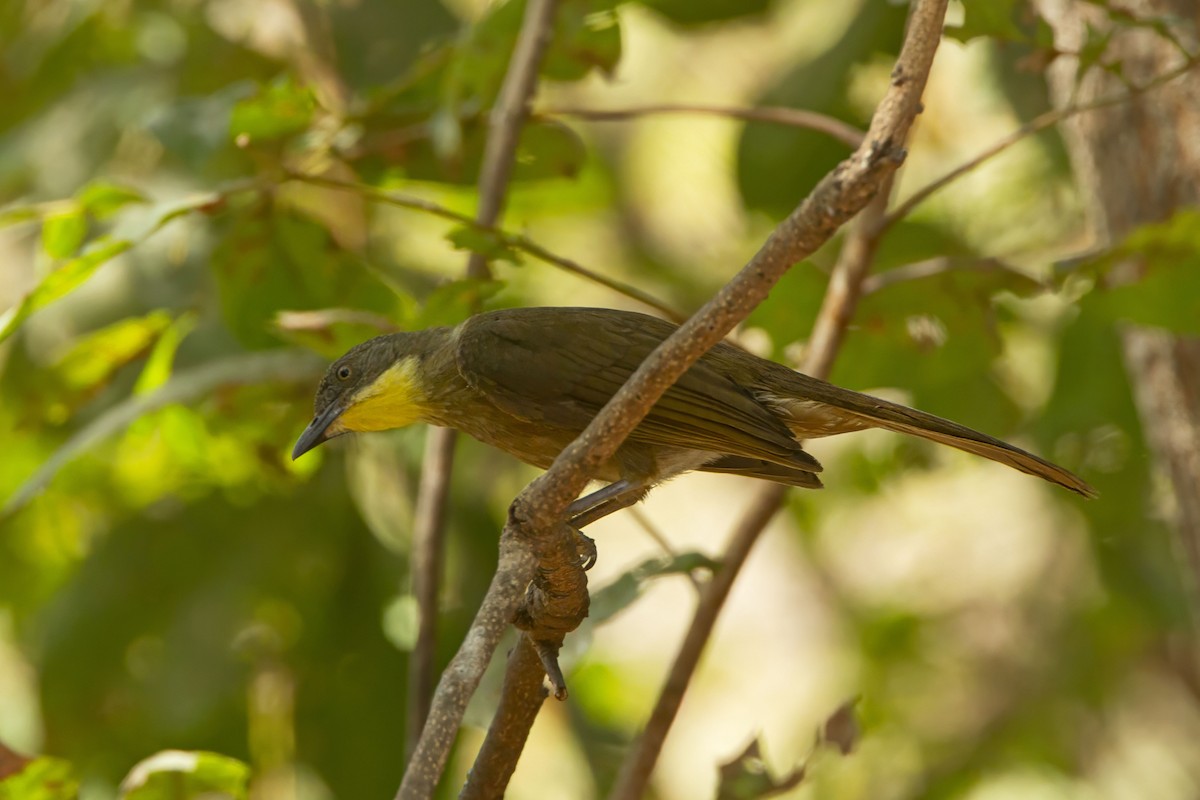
586	547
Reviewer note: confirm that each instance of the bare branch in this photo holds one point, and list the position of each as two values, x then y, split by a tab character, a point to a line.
514	240
636	769
937	266
845	286
507	118
535	519
428	549
520	700
837	309
793	117
662	541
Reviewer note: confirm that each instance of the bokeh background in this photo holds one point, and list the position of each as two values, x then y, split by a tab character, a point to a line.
169	578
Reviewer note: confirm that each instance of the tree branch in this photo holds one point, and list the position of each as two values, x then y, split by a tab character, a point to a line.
793	117
521	698
425	570
514	240
535	518
507	117
837	309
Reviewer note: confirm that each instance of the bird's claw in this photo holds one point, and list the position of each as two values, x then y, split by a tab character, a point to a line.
586	547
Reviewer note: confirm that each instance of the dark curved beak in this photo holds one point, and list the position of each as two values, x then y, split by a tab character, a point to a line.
314	434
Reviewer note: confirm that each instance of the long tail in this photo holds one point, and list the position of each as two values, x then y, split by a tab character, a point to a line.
877	413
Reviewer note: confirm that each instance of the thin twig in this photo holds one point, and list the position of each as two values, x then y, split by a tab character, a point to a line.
636	769
845	286
500	151
1035	125
514	240
662	541
535	517
939	265
793	117
837	309
425	570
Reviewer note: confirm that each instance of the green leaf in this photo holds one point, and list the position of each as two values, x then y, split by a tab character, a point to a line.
278	110
63	232
699	12
746	777
995	19
778	165
162	358
587	36
102	200
61	282
485	243
273	260
452	302
183	775
94	359
621	593
14	215
1093	49
273	365
1153	277
546	149
41	779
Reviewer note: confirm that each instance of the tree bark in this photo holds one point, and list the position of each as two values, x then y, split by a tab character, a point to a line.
1137	163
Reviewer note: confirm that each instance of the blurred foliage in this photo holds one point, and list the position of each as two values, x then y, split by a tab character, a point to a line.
173	580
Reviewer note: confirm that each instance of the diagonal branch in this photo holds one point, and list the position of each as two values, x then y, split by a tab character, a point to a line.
506	120
514	240
837	309
535	518
793	117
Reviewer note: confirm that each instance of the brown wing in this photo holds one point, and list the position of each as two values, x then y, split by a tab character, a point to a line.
560	366
853	409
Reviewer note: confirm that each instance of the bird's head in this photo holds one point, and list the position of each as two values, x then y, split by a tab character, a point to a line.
376	386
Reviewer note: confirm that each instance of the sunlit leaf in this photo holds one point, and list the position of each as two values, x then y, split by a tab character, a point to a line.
278	110
14	215
186	775
63	232
181	388
101	199
61	281
94	359
41	779
162	358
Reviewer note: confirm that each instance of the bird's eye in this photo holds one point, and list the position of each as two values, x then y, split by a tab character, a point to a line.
343	373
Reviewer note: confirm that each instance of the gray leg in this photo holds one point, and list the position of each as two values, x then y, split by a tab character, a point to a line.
605	501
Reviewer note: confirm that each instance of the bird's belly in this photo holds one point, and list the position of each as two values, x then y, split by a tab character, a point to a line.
539	444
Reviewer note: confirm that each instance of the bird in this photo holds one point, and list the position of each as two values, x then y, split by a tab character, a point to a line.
529	380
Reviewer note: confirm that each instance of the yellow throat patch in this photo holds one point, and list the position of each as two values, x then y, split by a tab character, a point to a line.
393	400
